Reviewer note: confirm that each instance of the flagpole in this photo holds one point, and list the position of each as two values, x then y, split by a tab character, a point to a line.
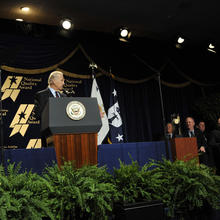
93	66
163	117
95	93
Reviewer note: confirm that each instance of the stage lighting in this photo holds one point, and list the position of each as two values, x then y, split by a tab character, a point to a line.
25	9
19	19
180	42
124	34
67	24
211	48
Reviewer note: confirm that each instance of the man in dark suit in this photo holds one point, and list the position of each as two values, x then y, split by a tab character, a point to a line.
54	89
202	127
170	131
192	131
214	143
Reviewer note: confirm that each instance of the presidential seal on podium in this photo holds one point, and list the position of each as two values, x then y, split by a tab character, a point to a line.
76	110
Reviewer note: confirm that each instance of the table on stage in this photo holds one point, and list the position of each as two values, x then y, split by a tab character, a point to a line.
108	154
141	152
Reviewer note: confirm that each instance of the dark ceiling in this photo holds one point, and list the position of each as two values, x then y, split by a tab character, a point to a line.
196	20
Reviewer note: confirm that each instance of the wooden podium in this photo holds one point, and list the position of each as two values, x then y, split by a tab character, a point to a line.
74	138
184	148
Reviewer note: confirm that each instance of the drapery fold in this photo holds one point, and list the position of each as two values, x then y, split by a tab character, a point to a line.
107	73
136	82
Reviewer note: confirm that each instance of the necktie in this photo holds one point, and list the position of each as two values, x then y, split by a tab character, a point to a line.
57	94
192	134
168	136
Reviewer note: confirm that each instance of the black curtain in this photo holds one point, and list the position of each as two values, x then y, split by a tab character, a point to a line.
139	101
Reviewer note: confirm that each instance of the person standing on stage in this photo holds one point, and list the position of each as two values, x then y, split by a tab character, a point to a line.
202	127
54	89
192	131
170	131
214	143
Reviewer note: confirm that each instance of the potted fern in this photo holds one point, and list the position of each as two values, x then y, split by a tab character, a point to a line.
187	189
137	192
84	193
23	195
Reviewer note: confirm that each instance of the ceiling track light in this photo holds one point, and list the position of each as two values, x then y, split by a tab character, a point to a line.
180	40
211	50
19	19
25	9
66	24
212	47
124	34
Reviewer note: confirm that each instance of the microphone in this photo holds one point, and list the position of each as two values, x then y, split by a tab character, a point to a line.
68	92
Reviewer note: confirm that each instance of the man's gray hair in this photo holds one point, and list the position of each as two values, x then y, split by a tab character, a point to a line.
54	75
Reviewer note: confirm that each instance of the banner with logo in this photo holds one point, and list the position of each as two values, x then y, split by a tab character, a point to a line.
21	129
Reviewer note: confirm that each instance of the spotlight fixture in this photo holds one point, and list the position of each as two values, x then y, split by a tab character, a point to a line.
25	9
124	34
19	19
211	48
180	42
67	24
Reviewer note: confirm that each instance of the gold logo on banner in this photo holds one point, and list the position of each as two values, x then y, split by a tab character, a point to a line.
10	87
19	123
34	144
3	113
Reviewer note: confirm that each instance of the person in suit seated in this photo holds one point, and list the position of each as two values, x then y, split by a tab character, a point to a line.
54	89
192	131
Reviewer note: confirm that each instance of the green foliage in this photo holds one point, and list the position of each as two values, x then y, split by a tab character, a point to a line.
187	186
80	193
90	192
22	195
134	183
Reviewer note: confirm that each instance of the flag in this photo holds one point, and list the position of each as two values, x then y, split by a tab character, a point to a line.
114	117
105	126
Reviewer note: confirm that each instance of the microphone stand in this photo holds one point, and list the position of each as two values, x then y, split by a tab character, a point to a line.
163	117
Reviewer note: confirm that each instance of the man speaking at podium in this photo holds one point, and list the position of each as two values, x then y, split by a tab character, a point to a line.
54	89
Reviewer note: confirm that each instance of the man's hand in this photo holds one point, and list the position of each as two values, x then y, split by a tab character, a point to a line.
202	149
